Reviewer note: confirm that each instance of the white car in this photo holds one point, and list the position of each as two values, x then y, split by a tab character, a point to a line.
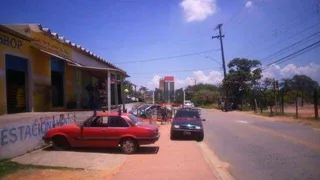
188	103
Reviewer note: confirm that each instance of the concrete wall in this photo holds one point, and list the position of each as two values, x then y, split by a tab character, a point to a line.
20	136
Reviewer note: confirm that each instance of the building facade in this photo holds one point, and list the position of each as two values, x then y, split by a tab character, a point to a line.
42	71
169	89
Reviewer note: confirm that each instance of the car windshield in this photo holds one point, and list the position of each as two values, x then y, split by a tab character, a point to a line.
187	114
134	120
144	107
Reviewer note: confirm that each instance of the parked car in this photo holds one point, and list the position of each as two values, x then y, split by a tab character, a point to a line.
137	111
188	103
104	129
147	112
187	124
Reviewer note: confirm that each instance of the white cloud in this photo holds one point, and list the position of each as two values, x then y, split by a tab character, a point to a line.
214	77
312	70
198	10
249	4
154	83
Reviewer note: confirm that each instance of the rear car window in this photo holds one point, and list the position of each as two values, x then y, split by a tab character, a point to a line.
187	114
116	121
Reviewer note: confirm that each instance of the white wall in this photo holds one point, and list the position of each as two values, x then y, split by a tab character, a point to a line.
20	136
86	60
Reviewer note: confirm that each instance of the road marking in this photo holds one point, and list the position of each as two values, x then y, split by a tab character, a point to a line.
244	122
218	168
287	137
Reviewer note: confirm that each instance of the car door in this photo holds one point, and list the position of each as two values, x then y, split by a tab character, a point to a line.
117	128
93	134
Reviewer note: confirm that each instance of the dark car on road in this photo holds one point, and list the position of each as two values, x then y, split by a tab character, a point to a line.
187	123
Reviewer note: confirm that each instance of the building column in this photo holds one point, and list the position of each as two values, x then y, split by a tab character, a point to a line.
116	90
123	96
77	88
109	90
30	88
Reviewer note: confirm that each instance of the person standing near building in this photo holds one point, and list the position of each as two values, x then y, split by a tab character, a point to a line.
163	112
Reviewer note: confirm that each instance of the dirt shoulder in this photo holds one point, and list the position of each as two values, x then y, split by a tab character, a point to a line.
54	174
309	122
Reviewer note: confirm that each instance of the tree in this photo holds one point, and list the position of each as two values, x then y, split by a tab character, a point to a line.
301	83
262	93
191	91
243	75
142	92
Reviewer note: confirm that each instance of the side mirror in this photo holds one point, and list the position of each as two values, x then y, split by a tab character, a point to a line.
203	119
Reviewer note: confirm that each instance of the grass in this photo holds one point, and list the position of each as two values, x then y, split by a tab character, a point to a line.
9	167
266	113
209	106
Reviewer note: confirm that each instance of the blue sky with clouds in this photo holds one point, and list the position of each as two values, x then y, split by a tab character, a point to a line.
122	31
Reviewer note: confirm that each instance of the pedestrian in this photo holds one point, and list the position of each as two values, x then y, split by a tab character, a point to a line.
163	114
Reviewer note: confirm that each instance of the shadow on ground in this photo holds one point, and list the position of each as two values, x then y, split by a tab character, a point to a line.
184	139
141	150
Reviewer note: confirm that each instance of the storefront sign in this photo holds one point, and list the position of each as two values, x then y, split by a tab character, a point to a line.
46	43
10	41
169	79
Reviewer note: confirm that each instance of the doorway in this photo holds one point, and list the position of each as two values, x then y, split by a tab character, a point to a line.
16	84
57	81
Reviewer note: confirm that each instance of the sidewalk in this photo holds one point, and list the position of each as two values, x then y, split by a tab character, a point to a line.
174	160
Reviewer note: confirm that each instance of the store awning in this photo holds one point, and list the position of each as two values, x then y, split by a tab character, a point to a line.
100	73
90	67
57	56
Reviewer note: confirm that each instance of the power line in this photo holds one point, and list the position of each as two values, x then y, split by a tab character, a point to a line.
298	33
289	47
174	71
170	57
300	54
290	55
287	28
290	37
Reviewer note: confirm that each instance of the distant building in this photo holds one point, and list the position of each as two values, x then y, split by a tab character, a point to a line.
161	84
169	89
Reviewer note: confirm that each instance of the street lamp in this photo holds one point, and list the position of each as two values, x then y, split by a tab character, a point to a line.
125	99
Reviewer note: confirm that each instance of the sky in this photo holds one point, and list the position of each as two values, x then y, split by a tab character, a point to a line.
155	38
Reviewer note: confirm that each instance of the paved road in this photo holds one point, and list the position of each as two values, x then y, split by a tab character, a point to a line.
260	149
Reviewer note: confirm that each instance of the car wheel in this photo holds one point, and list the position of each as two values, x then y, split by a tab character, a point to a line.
60	143
172	137
200	138
128	146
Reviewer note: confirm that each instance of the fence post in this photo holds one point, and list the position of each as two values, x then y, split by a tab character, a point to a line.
315	100
282	104
297	107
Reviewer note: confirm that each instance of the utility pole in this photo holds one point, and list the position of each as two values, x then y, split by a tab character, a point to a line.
220	36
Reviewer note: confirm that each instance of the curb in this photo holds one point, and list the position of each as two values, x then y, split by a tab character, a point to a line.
218	168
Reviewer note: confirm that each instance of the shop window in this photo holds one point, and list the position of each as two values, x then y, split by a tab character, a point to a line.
16	84
57	81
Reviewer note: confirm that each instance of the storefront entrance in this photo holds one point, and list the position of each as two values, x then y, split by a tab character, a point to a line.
16	83
57	81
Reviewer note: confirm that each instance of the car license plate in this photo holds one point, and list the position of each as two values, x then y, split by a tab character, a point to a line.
186	133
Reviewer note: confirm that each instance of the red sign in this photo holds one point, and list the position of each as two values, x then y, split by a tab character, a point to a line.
169	79
113	80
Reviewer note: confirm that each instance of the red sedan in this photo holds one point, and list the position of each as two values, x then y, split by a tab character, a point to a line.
105	129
